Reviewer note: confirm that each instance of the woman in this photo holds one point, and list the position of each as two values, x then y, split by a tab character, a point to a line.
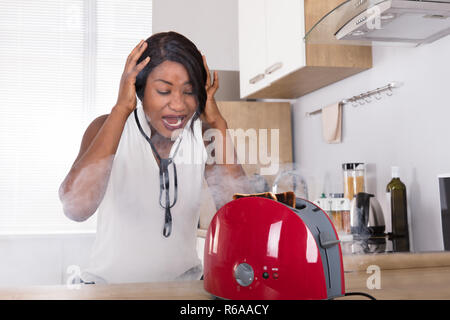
142	166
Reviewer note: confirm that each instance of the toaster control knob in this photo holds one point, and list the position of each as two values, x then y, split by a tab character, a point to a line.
244	274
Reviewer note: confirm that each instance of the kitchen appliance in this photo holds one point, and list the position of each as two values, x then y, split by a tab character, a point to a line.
258	248
383	22
444	195
407	21
366	216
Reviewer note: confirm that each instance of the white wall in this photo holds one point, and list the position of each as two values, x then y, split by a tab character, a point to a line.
409	129
42	259
31	260
211	24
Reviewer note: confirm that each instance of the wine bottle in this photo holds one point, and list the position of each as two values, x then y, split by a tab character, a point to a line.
396	191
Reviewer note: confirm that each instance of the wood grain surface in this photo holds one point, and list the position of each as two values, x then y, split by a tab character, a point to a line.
397	284
388	261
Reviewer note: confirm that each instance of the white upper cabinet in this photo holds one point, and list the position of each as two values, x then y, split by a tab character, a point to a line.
274	60
270	41
252	45
284	35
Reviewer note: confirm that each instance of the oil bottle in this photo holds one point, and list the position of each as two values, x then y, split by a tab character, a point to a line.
396	191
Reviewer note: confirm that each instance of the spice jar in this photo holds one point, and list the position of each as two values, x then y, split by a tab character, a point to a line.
354	175
336	212
345	209
325	204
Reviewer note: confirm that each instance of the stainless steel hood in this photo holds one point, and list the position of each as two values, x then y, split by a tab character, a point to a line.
383	22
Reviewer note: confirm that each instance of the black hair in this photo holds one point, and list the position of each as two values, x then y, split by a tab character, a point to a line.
175	47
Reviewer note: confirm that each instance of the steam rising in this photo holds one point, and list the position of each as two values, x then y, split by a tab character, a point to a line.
222	185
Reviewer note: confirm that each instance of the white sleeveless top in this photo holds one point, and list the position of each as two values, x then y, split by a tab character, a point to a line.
129	245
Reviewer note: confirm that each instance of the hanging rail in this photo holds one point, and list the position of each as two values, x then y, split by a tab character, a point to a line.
364	97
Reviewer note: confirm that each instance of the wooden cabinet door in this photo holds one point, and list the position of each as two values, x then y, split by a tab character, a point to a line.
252	46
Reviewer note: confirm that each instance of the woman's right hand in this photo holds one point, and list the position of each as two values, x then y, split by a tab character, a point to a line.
126	100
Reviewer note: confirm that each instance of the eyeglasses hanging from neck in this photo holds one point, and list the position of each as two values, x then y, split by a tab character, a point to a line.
164	179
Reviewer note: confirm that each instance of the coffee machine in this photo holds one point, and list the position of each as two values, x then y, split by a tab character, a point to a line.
367	223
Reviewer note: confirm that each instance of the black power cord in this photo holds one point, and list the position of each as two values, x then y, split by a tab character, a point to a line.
359	294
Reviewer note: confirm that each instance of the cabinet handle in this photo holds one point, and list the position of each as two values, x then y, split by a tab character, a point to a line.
257	78
274	67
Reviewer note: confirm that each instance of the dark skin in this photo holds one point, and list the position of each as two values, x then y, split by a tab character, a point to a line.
167	97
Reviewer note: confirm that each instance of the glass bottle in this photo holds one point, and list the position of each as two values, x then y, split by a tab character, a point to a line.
396	191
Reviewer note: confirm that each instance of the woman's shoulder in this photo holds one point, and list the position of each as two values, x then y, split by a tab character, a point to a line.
95	125
90	133
92	130
99	120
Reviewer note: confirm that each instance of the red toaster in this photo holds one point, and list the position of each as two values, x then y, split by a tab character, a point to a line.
258	248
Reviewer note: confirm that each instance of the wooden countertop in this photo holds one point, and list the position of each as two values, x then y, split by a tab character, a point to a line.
185	290
389	261
403	284
412	283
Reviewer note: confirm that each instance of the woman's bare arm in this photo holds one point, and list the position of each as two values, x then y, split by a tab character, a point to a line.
224	174
84	186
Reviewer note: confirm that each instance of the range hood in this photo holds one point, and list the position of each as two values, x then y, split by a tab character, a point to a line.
383	22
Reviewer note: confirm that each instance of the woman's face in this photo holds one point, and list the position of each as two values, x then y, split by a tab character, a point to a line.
168	99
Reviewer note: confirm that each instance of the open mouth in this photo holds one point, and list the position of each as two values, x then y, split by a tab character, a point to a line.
173	122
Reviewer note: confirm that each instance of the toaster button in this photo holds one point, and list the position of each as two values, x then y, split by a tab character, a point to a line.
244	274
265	275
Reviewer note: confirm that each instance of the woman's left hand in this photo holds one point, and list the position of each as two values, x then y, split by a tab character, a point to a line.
211	115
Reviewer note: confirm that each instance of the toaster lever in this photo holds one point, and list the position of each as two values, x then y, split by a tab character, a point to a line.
327	241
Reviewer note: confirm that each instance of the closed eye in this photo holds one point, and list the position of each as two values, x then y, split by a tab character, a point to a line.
165	93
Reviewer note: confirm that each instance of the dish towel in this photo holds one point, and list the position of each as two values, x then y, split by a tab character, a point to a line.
332	123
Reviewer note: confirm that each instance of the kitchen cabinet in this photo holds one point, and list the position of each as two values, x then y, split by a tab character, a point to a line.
264	55
252	45
274	60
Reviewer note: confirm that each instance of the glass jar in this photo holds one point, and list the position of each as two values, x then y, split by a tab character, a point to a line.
325	204
354	179
336	212
345	208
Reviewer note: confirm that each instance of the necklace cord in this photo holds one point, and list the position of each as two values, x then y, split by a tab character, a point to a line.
164	182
